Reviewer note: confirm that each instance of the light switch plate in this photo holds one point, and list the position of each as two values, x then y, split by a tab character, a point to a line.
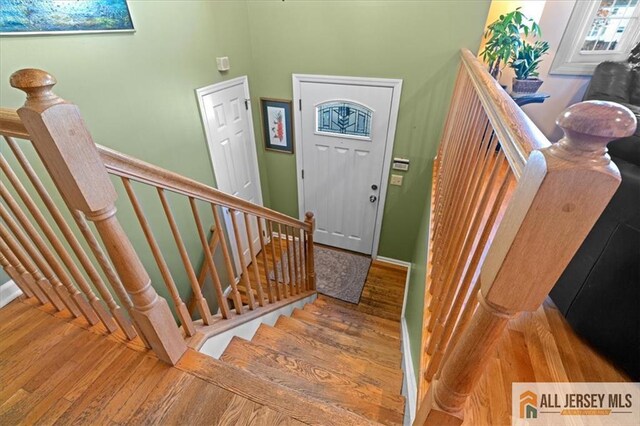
396	180
223	63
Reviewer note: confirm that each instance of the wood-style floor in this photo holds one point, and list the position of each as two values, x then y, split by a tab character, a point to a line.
537	346
53	371
57	370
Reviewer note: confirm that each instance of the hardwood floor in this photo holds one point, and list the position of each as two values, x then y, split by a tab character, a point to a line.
537	346
339	353
53	371
331	362
328	328
383	292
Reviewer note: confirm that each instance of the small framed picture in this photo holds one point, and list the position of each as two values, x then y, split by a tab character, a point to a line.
277	124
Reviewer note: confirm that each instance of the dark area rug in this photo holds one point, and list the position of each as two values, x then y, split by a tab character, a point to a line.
339	274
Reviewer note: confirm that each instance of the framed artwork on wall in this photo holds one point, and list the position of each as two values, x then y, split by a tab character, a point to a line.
28	17
277	124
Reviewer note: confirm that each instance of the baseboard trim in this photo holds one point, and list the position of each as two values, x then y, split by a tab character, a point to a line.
9	291
409	373
393	261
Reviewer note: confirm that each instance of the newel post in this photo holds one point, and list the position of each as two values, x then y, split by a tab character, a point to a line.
561	194
68	152
311	268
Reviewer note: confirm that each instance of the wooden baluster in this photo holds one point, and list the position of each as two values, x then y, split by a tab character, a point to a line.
296	269
181	308
263	252
303	280
282	243
200	301
443	343
25	259
275	264
311	273
208	258
462	79
563	190
69	236
460	242
245	274
16	277
129	329
456	158
235	294
254	261
448	216
291	267
454	151
204	269
69	154
454	204
85	308
40	254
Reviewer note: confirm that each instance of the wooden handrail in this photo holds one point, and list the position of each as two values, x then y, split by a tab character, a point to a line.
132	168
123	165
517	134
11	124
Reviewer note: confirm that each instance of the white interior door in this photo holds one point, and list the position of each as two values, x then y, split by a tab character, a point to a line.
226	115
344	132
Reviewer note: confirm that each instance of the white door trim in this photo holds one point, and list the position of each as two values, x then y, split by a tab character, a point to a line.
396	86
217	87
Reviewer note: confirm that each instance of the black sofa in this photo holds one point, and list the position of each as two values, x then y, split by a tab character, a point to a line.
599	292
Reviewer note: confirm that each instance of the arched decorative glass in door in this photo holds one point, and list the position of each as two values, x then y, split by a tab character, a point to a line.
344	118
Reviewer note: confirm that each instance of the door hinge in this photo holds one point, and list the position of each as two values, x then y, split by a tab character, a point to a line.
246	104
300	104
302	173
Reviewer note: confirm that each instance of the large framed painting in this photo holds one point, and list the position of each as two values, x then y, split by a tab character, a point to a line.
277	124
35	17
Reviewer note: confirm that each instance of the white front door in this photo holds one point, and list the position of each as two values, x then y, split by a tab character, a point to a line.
344	134
226	115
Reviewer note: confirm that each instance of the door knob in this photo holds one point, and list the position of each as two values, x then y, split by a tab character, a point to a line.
373	198
374	187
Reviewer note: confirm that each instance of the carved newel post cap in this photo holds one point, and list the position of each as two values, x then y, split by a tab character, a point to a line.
309	215
38	85
589	126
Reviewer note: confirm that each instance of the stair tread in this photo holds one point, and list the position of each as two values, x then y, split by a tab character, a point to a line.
323	303
369	310
303	377
357	332
367	327
249	384
327	356
380	354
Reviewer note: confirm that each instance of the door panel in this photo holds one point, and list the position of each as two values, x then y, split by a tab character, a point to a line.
344	136
231	145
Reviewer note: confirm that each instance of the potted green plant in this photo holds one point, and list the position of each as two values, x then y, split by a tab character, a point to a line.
525	63
503	39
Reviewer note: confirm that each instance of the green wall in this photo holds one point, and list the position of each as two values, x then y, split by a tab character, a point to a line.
136	93
417	41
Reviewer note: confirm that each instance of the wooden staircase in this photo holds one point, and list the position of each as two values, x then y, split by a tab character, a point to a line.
333	354
508	211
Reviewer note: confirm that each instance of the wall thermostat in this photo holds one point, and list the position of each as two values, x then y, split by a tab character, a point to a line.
223	63
400	164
